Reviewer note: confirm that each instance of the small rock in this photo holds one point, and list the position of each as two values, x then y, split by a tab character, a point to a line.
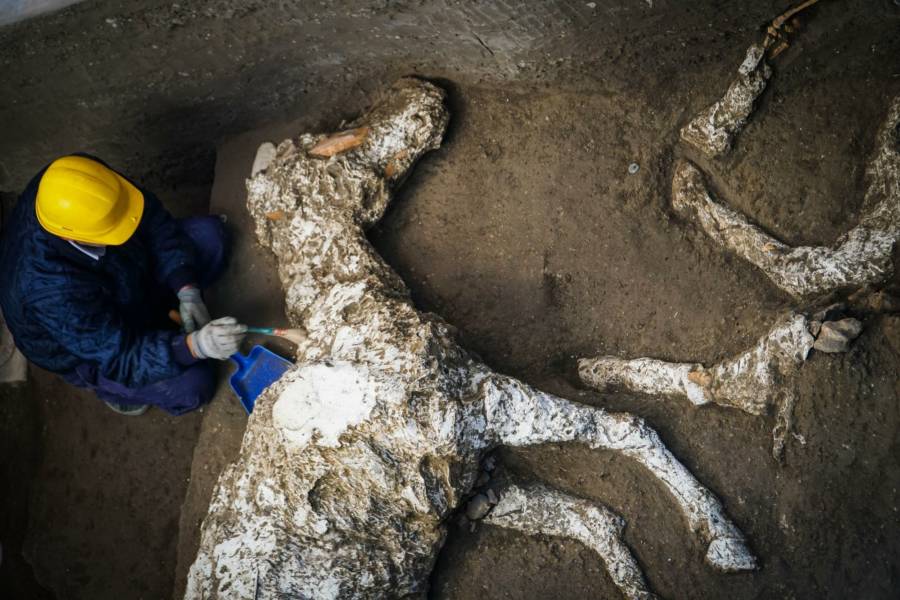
633	168
831	342
478	507
815	327
492	497
835	336
830	312
849	327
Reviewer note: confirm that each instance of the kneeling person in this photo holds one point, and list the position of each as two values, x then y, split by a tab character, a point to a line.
90	266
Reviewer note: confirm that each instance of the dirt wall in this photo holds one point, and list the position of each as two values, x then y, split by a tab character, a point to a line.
153	86
18	10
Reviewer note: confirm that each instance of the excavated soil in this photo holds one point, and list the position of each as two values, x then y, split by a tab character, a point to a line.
527	232
569	255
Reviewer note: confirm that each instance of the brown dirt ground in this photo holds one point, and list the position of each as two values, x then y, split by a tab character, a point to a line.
526	232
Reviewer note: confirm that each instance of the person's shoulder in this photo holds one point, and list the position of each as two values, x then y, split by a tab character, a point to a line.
27	248
47	275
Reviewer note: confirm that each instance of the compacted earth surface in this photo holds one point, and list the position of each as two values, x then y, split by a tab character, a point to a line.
528	232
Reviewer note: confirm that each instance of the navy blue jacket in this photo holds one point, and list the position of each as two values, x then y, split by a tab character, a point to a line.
65	308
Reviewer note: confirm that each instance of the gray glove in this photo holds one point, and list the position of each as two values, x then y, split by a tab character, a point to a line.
219	339
194	314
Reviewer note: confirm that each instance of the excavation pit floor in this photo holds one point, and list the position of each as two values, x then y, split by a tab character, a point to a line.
528	233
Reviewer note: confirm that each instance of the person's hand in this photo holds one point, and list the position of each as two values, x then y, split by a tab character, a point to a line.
219	339
194	314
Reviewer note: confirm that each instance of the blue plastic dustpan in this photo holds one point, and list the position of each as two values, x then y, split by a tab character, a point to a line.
255	372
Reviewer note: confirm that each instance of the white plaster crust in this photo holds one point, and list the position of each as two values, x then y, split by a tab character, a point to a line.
539	509
353	461
759	378
713	130
750	381
754	381
860	257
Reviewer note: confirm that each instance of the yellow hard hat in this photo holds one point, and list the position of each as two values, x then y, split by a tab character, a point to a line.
80	199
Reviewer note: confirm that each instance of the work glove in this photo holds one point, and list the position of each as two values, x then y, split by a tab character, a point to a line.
193	311
219	339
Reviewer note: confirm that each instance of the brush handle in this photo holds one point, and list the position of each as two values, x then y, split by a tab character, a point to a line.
294	336
176	318
262	330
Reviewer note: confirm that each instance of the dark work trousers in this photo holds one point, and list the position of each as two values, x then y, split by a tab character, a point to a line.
196	385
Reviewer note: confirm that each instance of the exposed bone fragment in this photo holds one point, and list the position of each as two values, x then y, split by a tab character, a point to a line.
860	257
713	130
538	509
353	461
779	21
